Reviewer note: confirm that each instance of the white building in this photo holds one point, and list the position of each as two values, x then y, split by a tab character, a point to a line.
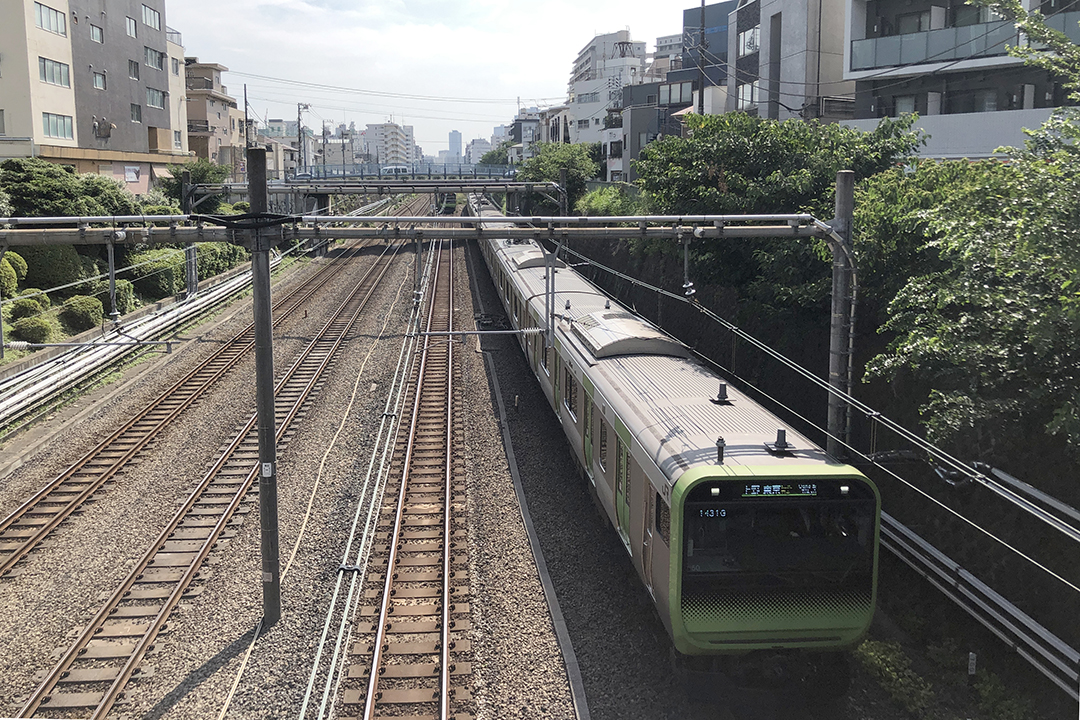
475	150
606	64
391	144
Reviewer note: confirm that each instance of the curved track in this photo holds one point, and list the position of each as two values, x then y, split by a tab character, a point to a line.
412	657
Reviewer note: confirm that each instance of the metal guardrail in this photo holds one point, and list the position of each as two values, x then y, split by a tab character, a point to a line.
1050	655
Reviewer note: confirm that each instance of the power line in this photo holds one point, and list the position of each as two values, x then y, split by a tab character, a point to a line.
377	93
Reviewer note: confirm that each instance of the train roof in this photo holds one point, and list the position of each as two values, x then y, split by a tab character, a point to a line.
664	396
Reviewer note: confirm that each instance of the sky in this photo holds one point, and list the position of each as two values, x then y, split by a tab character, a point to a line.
438	65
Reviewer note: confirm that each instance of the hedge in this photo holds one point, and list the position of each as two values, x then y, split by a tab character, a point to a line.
24	307
50	266
17	263
41	298
82	312
161	276
215	258
39	329
9	281
125	295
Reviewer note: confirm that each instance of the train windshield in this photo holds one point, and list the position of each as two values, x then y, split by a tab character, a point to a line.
788	539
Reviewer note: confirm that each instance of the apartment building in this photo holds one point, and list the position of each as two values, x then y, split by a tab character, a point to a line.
787	60
86	83
948	61
602	68
391	144
211	118
475	150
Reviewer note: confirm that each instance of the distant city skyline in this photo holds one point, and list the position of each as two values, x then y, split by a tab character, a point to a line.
439	67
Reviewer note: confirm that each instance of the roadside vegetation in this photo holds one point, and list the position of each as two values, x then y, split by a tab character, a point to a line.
52	292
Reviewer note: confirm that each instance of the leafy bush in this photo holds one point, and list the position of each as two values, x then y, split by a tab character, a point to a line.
161	276
243	207
82	312
40	329
886	661
202	172
106	196
9	281
126	301
215	258
38	188
24	307
50	266
160	210
18	264
995	701
37	296
608	201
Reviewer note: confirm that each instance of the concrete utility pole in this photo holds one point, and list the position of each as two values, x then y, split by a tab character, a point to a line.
701	63
264	392
300	135
840	323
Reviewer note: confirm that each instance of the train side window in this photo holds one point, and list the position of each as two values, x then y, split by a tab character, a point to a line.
603	444
544	357
570	394
663	519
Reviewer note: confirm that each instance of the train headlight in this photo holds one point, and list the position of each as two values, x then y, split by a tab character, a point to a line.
845	489
715	492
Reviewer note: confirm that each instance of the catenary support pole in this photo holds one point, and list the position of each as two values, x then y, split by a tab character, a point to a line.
114	314
191	266
264	392
840	323
701	63
3	251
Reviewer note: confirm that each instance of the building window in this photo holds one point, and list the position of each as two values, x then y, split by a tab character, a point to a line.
97	34
99	81
749	41
132	28
748	95
3	131
133	69
151	17
54	73
136	113
58	126
175	66
986	100
904	104
50	20
155	98
177	140
913	22
155	59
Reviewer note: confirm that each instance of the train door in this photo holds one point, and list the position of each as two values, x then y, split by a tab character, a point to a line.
646	537
622	489
587	434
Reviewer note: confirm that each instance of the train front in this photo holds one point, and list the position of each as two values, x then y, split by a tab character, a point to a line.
772	558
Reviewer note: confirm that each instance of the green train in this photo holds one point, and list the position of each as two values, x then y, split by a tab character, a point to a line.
759	550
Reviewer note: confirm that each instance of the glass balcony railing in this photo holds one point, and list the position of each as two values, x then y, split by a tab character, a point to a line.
955	43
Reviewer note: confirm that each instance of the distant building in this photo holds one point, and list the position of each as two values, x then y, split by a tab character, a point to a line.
210	124
391	144
787	60
455	144
603	67
88	88
949	63
475	150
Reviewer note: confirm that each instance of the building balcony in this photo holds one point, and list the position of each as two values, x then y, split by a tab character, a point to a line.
943	45
198	127
173	36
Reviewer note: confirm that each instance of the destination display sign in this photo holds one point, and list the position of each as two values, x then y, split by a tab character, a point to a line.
780	490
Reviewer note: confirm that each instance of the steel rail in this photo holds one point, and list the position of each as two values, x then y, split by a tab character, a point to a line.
444	664
321	353
138	432
399	516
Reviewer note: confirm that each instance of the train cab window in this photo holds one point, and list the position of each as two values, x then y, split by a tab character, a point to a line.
603	444
570	393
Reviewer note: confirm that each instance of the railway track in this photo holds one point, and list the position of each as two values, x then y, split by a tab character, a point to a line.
411	655
94	670
30	523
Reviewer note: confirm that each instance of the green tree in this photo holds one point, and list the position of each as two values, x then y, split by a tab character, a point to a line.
499	155
552	158
106	196
994	330
736	163
38	188
203	172
1063	59
611	200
